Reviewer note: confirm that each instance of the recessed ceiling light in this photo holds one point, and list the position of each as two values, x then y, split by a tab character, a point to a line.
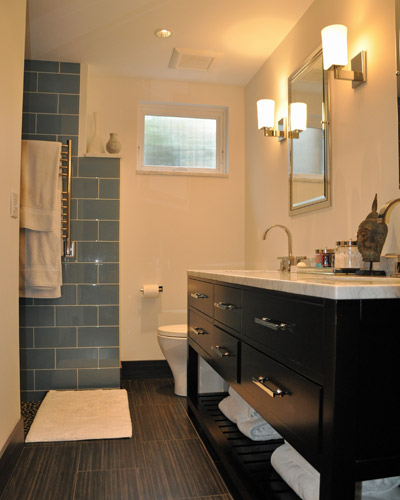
163	33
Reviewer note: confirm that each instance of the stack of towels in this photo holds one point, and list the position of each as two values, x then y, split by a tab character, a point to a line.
304	479
40	220
249	422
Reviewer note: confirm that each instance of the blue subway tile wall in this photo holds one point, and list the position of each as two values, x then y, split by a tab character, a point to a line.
73	342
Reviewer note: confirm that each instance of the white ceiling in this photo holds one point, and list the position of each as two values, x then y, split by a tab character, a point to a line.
117	36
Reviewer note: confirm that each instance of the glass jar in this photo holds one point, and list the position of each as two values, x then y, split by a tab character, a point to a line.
347	257
324	257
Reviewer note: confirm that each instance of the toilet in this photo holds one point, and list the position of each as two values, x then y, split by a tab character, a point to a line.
173	342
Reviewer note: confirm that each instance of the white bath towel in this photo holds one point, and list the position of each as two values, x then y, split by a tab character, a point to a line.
296	472
257	429
40	250
304	479
235	408
40	166
40	272
249	422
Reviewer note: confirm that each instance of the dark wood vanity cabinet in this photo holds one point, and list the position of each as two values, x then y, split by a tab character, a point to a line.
336	362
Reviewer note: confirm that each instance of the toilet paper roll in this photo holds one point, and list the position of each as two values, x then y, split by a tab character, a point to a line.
151	291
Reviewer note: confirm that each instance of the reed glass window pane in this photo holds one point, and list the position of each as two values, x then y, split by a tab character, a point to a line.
174	141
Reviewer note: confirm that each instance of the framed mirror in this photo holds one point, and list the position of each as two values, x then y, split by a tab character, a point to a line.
309	149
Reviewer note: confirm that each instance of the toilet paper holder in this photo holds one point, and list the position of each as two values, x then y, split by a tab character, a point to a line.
160	289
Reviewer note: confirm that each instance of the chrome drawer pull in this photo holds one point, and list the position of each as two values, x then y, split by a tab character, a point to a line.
221	351
198	295
225	306
261	383
274	325
198	331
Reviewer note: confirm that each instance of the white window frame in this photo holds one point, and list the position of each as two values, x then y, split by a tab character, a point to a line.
218	113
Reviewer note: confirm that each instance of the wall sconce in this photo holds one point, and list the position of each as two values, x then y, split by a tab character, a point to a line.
298	119
266	120
334	49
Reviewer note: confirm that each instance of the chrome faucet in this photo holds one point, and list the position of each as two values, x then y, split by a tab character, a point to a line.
286	262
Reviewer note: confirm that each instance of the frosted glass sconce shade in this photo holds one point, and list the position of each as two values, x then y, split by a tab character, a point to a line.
334	49
334	45
298	116
266	113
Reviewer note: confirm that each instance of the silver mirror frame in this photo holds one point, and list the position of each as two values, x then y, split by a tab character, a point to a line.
327	201
397	27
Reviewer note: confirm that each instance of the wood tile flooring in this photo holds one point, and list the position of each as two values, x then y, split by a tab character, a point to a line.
164	459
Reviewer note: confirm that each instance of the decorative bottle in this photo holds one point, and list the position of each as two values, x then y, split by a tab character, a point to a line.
113	145
96	144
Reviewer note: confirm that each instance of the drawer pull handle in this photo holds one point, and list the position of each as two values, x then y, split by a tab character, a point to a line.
198	295
198	331
261	383
225	306
221	351
274	325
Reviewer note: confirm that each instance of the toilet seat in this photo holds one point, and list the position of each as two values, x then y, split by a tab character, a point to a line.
178	331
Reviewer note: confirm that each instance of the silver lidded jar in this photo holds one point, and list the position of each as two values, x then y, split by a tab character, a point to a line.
347	257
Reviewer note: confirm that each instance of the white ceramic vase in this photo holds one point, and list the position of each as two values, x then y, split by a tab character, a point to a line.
96	144
113	145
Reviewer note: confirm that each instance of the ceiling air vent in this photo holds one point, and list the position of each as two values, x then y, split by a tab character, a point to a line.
201	60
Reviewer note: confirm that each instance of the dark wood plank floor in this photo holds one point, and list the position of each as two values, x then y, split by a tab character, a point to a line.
164	459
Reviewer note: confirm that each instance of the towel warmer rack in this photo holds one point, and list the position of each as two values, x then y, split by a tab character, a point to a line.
65	172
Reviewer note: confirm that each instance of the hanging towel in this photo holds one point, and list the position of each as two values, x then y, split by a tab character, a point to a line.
40	167
40	249
304	479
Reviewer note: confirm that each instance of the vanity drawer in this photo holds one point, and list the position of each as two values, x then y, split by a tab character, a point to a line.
293	328
222	348
296	413
228	306
224	354
201	296
200	330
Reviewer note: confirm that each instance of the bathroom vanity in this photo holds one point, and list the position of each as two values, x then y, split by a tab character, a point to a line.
317	357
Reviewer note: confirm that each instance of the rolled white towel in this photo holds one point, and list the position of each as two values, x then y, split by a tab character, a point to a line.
296	472
304	479
247	410
258	429
235	408
380	485
232	409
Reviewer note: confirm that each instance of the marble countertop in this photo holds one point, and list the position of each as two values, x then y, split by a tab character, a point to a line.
326	286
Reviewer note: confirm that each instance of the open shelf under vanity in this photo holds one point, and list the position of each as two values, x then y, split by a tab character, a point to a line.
244	464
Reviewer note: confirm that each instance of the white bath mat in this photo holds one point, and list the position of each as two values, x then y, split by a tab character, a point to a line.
81	415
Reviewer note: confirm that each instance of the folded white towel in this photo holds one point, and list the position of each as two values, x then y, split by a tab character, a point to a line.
248	411
249	422
257	429
40	167
235	408
304	479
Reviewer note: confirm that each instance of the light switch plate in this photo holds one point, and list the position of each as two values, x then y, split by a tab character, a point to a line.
14	204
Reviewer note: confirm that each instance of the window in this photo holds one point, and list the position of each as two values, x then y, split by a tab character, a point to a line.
182	139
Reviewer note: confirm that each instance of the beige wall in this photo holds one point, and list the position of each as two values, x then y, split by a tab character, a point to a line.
169	223
12	28
364	136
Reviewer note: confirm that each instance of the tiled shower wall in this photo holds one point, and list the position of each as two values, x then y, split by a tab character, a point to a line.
73	341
